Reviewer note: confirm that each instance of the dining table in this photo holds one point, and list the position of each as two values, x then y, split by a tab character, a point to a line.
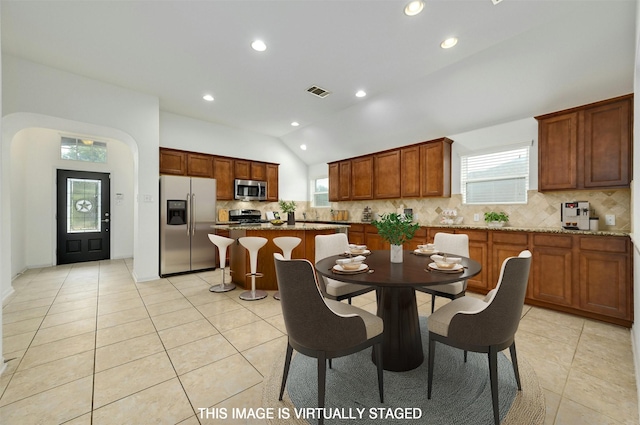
396	297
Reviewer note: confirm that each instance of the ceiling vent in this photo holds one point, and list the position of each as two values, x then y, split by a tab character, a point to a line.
318	91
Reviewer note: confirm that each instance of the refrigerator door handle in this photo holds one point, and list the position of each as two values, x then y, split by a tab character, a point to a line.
193	218
188	214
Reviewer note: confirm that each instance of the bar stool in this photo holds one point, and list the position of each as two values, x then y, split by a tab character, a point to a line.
286	244
222	243
253	245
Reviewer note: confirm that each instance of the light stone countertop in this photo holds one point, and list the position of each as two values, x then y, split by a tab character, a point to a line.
285	226
555	230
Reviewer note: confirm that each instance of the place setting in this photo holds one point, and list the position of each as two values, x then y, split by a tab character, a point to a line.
359	250
351	265
445	264
428	249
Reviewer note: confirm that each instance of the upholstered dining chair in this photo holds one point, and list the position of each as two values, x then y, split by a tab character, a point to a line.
334	244
451	244
484	325
322	328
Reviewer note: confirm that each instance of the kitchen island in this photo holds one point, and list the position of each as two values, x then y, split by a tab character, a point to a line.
239	256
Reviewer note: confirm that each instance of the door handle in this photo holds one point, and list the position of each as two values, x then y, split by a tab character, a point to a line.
106	220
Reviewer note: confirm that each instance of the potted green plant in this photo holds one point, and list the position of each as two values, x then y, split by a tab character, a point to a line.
396	229
496	219
289	208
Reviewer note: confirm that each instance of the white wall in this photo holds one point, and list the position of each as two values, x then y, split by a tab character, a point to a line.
35	157
38	96
185	133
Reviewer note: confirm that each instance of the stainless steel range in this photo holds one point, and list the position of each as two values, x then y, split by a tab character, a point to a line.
247	217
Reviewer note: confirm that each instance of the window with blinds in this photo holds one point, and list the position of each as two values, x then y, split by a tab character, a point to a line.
496	178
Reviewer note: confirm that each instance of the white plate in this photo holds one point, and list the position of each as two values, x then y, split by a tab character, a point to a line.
365	252
455	268
429	252
340	269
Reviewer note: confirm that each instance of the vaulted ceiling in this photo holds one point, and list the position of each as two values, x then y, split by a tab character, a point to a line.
513	60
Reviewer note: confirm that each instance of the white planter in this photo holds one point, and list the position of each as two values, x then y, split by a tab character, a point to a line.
495	224
396	253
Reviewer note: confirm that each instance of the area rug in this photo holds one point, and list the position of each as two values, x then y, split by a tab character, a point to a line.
461	391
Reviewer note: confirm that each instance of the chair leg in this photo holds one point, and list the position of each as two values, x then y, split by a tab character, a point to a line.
514	362
432	354
285	373
493	377
330	364
433	302
322	376
377	349
465	356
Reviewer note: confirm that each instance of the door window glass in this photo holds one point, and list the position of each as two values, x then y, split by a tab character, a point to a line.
83	205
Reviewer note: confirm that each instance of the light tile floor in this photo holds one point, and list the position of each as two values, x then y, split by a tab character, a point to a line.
85	344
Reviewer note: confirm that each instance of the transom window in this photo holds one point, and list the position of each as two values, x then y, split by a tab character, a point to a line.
496	178
83	150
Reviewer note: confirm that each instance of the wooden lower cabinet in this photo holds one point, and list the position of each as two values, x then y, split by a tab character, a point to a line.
356	234
586	275
604	276
552	269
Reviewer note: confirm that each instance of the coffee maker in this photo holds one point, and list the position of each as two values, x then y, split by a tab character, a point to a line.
574	215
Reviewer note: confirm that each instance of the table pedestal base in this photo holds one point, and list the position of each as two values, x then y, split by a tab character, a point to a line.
402	345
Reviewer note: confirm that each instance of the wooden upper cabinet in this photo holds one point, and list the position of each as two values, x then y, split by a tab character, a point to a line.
558	147
344	191
272	181
242	169
410	172
362	178
173	162
334	182
435	164
258	171
588	147
199	165
386	175
223	173
607	145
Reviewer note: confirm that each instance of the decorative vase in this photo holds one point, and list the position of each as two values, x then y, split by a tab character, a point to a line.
396	253
291	219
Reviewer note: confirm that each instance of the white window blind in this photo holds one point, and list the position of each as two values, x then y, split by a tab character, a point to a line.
496	178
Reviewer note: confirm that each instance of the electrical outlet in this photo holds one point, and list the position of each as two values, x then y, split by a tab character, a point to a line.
610	220
476	217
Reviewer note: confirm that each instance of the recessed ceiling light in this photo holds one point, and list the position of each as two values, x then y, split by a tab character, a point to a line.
259	46
208	97
413	7
449	43
295	124
361	93
303	147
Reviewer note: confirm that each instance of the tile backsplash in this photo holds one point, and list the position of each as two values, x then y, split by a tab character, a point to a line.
542	210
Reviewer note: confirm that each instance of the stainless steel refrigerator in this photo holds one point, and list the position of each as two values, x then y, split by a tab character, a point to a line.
187	211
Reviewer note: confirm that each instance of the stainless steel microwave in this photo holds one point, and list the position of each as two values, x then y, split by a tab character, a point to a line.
250	190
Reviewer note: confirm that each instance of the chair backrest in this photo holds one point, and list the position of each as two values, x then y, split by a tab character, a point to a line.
309	321
328	245
499	321
457	244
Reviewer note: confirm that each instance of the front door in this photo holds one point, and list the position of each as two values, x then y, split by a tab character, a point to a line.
83	216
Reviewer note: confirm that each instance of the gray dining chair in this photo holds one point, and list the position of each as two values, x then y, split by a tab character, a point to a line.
322	328
335	244
450	243
484	325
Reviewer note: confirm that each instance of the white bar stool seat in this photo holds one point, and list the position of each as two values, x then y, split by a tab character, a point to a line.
222	244
253	245
286	244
